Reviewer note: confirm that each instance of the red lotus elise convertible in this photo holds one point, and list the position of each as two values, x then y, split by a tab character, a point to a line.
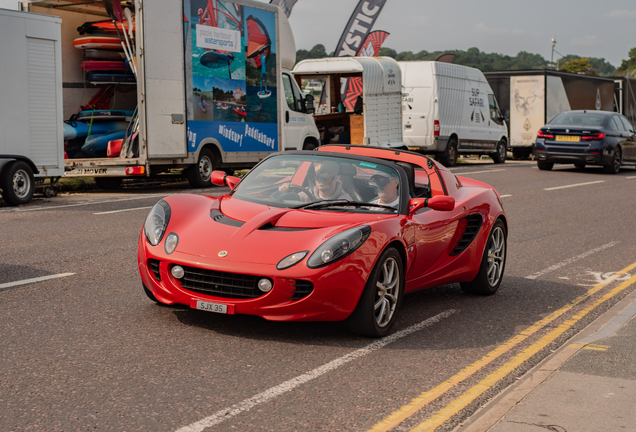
339	233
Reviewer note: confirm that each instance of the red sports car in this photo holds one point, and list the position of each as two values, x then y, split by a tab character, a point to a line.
340	233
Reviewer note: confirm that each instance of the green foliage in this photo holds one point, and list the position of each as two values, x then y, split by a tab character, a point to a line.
318	51
579	66
628	67
599	65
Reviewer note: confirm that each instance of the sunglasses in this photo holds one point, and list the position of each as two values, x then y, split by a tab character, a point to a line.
381	181
323	177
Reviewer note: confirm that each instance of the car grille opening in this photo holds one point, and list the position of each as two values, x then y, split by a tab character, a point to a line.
153	265
221	284
303	289
473	224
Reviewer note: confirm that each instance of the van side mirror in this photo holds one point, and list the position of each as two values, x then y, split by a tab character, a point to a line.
309	104
220	178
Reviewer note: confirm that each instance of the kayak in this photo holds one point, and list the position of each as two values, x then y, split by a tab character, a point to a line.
96	145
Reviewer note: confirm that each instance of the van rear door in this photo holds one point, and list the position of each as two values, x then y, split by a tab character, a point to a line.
417	100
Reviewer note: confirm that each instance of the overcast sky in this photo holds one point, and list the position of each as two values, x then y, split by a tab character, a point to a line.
584	27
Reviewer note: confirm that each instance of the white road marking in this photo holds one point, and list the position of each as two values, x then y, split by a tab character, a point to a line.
571	260
291	384
83	203
504	196
574	185
124	210
631	177
8	285
478	172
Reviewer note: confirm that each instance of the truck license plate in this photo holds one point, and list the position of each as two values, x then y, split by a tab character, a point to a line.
211	307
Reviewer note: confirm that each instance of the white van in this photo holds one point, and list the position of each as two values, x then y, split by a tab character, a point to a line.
449	109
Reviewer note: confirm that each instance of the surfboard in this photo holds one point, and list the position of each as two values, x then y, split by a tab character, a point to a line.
111	78
213	59
104	115
106	26
93	54
264	94
103	65
80	129
98	42
96	145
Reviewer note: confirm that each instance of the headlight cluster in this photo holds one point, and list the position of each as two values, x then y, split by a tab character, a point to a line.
335	248
157	222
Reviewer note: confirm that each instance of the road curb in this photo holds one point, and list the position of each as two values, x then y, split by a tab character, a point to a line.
491	413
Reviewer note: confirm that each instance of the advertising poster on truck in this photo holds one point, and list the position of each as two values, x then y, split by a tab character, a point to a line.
527	109
231	71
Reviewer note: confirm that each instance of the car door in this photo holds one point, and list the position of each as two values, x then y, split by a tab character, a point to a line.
621	135
629	146
495	123
433	232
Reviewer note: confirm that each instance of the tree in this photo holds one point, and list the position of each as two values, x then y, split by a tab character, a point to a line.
628	67
318	51
579	66
598	64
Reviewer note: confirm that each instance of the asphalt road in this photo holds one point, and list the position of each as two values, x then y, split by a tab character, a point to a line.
89	351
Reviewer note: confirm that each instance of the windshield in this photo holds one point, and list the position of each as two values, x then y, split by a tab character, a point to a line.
322	183
578	119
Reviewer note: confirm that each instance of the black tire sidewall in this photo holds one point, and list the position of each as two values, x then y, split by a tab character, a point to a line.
362	320
6	182
496	157
193	174
481	285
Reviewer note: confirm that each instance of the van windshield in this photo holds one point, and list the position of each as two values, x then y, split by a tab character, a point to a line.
578	119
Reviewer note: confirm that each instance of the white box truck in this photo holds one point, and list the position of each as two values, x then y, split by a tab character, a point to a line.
209	86
378	84
450	109
31	141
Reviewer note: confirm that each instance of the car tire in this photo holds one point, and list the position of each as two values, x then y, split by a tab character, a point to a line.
363	321
579	165
493	260
308	145
449	157
108	183
151	296
17	183
615	166
199	174
545	166
499	156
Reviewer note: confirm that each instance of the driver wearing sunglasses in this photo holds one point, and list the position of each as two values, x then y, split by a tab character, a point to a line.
387	188
328	185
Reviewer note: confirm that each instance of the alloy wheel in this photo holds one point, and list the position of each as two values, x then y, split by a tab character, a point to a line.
21	183
496	256
388	288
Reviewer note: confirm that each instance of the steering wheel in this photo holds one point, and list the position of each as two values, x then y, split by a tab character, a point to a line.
305	190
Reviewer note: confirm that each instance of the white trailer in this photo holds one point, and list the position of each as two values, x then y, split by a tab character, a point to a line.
31	141
181	128
380	120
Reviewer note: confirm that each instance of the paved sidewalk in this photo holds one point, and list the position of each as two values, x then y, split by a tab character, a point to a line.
588	385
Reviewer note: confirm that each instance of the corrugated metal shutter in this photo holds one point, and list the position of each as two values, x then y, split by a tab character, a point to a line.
42	94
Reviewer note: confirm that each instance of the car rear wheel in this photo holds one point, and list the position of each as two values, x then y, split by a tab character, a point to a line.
500	155
378	306
615	167
17	183
449	157
492	265
545	166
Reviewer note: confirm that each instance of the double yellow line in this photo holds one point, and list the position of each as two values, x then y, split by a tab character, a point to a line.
473	393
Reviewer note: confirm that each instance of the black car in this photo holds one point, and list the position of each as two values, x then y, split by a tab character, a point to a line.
587	138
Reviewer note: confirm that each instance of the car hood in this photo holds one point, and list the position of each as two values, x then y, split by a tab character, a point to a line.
229	229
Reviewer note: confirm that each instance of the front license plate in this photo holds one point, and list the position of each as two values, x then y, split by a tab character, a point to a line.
567	138
211	307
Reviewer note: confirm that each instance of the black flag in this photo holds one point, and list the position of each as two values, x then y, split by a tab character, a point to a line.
358	27
285	5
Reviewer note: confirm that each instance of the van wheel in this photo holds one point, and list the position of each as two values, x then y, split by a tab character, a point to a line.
308	145
17	183
500	155
449	157
199	174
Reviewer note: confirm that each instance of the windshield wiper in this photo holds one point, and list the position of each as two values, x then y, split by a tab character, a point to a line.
340	202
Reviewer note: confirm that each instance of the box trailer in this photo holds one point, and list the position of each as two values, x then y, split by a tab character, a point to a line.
530	98
625	97
378	119
202	90
31	141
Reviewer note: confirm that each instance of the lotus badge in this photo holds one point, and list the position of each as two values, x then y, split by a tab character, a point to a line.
223	254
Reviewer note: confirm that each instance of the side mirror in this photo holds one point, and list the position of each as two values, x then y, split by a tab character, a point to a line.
439	203
220	178
309	104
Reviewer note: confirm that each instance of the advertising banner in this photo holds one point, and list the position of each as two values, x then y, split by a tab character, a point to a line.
358	27
285	5
527	109
231	72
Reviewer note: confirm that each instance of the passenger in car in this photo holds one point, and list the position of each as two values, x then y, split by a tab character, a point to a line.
387	189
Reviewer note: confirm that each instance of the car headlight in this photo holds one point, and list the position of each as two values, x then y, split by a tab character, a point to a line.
339	246
291	260
157	222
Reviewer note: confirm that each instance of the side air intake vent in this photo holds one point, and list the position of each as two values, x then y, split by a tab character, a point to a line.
219	217
153	265
473	224
303	289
